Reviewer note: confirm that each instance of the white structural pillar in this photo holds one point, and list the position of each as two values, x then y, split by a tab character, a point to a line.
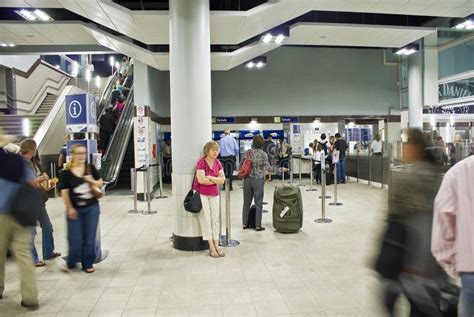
190	95
422	80
415	90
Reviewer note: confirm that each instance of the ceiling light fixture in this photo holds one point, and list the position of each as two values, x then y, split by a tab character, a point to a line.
276	36
34	15
463	24
257	62
407	50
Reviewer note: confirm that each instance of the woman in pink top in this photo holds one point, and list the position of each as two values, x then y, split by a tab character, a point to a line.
209	175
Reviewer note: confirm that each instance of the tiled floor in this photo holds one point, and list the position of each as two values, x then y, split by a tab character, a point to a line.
324	270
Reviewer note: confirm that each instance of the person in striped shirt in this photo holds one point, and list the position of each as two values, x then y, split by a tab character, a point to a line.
452	242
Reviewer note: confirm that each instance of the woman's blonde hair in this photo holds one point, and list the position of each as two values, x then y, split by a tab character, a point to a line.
72	151
209	146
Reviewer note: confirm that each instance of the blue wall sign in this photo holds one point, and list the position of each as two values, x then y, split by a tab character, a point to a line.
276	134
217	135
248	134
289	119
225	119
166	136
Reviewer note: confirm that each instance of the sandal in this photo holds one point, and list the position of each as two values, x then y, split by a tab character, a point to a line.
260	228
40	264
221	254
89	270
214	254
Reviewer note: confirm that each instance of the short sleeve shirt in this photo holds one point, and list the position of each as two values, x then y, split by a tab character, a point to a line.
79	190
208	190
29	172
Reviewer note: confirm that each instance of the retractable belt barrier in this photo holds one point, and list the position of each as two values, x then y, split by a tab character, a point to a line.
147	190
323	218
226	240
335	202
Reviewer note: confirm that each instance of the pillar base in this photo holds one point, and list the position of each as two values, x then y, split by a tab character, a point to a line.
189	243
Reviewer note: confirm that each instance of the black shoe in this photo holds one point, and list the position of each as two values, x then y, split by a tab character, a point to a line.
231	189
1	296
29	306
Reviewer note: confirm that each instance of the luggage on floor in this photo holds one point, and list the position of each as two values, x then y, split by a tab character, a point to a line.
287	209
252	216
329	177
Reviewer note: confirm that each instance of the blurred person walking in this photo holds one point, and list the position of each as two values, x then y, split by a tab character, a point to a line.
35	175
405	259
13	235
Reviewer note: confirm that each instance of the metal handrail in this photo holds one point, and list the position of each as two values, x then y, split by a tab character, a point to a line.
106	97
113	159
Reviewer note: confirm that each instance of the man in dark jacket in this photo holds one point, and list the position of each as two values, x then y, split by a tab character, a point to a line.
341	146
107	127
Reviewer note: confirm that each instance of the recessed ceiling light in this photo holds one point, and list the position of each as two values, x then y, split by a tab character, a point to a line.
258	62
4	44
407	50
34	15
250	64
11	45
267	38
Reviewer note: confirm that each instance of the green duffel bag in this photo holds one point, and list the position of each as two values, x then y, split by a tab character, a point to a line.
287	209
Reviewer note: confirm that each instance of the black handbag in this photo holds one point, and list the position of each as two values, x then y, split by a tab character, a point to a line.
192	202
26	205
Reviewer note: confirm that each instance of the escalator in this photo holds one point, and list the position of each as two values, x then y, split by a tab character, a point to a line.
119	156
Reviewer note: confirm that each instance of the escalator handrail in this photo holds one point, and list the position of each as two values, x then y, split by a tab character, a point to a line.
113	159
105	97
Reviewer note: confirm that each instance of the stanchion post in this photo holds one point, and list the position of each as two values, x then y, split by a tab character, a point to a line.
323	218
291	168
358	164
369	159
148	193
135	198
335	203
160	175
311	177
383	171
228	242
299	170
53	175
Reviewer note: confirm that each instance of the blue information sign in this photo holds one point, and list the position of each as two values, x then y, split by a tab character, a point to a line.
276	134
166	136
225	119
217	135
248	134
81	113
289	119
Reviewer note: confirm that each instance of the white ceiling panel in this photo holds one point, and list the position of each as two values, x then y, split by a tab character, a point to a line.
225	28
44	3
354	35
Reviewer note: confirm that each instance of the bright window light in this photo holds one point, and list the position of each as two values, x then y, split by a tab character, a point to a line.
451	120
111	61
26	126
57	66
117	65
279	39
267	38
97	81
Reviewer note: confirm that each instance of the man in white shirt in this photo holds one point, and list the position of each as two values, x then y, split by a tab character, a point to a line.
452	241
377	146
